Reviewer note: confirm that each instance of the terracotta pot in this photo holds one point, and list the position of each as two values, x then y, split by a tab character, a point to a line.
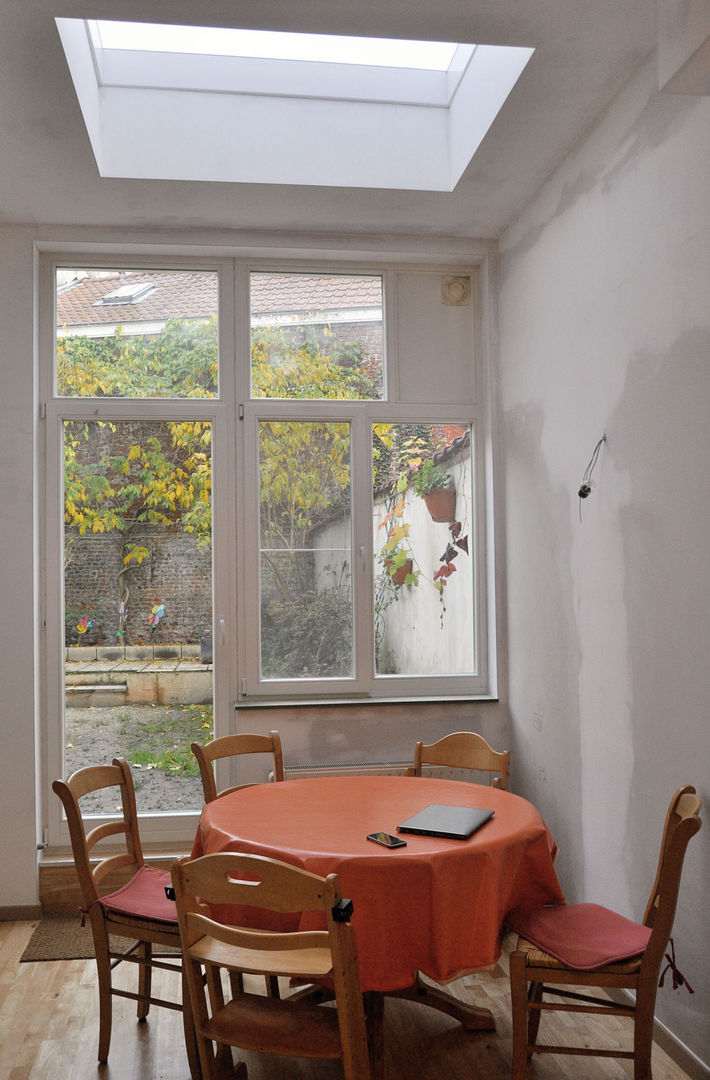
441	504
400	574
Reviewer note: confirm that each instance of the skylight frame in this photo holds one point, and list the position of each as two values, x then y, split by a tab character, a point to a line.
401	129
152	69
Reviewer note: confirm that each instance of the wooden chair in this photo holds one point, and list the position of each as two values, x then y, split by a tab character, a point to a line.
291	1026
534	972
463	750
138	910
232	746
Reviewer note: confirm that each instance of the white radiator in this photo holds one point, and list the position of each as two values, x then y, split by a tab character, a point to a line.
369	768
353	768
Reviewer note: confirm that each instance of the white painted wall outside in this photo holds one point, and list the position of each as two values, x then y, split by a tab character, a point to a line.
605	328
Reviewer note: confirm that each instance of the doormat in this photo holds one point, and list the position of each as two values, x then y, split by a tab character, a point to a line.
60	938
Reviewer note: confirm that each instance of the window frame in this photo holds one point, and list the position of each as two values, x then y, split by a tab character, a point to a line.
234	417
167	827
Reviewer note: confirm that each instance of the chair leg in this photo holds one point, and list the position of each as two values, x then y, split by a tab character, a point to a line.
103	972
519	1010
145	979
643	1032
188	1024
534	994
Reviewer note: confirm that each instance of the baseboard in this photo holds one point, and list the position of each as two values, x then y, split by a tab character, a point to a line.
21	913
677	1051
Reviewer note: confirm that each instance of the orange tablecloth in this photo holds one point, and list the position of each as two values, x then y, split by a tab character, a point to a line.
436	906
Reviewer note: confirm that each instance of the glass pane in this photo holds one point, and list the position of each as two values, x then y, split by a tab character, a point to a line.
423	537
305	550
136	333
316	336
138	603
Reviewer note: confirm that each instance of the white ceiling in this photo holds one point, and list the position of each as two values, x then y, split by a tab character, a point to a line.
584	52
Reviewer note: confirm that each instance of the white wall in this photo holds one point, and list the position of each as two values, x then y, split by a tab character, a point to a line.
18	672
605	328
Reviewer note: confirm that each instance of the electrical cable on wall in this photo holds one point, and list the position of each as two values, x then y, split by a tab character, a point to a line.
585	488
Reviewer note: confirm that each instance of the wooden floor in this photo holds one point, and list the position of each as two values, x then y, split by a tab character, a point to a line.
48	1031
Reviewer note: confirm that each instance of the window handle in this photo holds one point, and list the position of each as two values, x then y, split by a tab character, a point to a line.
222	624
363	564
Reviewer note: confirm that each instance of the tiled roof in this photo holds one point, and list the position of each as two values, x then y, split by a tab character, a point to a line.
189	295
185	295
281	293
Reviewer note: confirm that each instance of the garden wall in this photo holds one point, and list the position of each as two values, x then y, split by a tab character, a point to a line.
178	575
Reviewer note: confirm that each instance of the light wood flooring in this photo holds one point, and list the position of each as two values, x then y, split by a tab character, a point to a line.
48	1031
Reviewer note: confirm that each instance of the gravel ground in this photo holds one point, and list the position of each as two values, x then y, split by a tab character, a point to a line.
94	736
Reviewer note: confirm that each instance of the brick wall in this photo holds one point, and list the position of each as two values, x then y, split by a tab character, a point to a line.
178	575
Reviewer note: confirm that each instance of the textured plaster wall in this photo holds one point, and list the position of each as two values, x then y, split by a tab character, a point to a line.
605	328
18	673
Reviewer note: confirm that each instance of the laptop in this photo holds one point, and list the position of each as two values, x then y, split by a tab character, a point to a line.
453	822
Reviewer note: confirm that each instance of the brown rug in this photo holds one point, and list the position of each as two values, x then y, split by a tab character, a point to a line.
64	938
60	938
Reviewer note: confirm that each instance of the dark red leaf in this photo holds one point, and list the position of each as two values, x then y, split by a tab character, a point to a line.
449	554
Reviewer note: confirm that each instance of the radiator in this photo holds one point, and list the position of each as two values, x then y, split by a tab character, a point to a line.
368	768
352	768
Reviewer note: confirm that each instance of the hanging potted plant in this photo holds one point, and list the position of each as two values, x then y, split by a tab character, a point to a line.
396	554
437	489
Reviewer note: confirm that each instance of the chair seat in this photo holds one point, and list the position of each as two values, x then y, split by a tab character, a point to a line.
262	1025
585	937
144	897
534	957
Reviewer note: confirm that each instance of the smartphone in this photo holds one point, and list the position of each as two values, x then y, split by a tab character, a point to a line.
386	839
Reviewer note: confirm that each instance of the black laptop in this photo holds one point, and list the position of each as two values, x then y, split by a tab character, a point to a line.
453	822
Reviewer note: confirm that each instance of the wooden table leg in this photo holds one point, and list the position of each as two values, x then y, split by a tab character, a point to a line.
374	1016
472	1017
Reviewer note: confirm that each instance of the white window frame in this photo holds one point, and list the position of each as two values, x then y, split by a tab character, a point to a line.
168	827
234	418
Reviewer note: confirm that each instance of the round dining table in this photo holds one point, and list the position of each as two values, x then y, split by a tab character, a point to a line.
436	906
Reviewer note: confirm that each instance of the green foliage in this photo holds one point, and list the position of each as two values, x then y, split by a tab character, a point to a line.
122	479
282	367
307	636
165	743
180	361
429	477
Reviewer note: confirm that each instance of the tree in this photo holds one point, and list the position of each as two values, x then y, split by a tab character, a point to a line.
121	479
124	479
304	477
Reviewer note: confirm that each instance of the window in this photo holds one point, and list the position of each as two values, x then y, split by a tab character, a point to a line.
279	497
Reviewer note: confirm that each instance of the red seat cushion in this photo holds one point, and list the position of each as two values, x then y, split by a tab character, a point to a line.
144	895
582	936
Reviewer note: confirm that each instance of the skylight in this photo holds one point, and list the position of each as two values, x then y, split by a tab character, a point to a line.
273	45
249	106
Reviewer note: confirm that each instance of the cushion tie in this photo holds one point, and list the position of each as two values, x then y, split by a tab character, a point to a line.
678	978
84	911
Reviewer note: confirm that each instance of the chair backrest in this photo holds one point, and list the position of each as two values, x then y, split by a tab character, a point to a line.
463	750
83	782
682	822
233	746
230	878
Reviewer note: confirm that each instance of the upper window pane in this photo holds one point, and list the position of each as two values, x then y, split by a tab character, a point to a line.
316	336
136	333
